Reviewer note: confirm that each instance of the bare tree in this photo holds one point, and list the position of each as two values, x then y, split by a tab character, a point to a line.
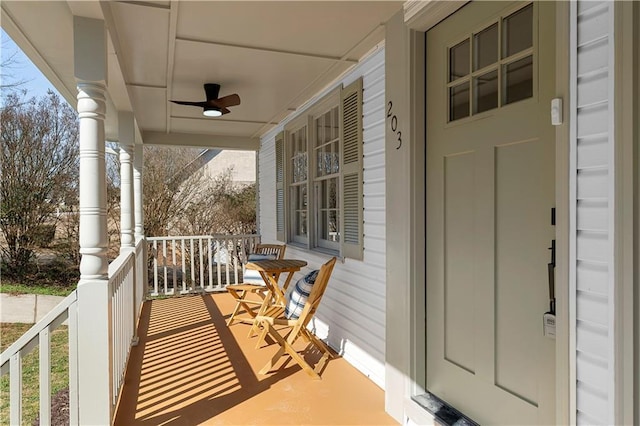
8	64
221	207
165	194
38	167
181	199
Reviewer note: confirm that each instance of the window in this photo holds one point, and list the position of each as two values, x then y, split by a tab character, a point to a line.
319	175
492	67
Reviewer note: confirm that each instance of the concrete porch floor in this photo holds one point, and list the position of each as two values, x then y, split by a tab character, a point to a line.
190	368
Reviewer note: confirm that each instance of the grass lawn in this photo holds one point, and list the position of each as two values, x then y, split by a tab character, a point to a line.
9	333
13	287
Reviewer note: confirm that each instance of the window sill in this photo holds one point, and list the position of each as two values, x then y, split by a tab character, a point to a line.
328	253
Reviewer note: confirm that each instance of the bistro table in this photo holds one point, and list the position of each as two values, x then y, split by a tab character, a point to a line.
270	271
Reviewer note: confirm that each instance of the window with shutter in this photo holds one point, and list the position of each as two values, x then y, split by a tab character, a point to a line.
351	137
319	175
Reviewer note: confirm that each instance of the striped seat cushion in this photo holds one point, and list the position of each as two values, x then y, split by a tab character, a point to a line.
297	295
251	276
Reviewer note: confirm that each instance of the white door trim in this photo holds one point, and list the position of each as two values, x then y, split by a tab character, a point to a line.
626	250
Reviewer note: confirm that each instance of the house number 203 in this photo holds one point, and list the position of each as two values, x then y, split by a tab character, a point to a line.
393	123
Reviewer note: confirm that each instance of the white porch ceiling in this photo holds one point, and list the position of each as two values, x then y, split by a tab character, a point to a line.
275	55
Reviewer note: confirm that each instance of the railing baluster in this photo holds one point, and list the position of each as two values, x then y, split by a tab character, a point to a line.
218	269
155	268
184	268
45	376
201	261
173	264
236	243
227	241
193	270
164	265
209	253
15	389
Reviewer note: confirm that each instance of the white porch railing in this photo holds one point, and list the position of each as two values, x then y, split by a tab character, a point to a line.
182	264
123	315
126	275
188	264
40	335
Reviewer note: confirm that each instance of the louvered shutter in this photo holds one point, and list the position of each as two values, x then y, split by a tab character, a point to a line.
280	210
351	226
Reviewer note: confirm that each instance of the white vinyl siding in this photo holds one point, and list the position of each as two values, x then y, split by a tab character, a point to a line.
592	279
352	313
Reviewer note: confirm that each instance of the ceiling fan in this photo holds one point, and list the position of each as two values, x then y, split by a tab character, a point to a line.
213	106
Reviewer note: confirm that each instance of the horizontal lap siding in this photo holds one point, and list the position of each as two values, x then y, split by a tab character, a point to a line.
352	314
593	198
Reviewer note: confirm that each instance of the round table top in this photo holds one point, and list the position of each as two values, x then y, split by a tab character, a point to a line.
276	265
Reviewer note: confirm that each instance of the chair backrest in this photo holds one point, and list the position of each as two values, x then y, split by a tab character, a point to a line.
317	291
277	249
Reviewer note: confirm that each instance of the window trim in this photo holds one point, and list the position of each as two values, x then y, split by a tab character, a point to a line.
334	98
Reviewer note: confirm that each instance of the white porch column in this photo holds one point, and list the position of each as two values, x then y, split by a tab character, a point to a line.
141	270
138	162
126	135
94	320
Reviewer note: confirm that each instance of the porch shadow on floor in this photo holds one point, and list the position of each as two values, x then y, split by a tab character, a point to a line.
190	368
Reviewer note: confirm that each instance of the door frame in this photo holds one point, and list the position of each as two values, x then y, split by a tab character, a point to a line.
420	16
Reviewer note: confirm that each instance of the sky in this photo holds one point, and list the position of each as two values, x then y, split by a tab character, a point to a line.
23	69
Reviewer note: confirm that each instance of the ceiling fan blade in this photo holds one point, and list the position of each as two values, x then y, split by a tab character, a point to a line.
200	104
224	111
227	101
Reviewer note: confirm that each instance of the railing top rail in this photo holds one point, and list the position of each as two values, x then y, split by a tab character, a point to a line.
120	263
38	327
188	237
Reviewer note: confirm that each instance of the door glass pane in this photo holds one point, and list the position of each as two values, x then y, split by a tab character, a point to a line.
459	101
519	80
459	60
486	91
486	47
518	31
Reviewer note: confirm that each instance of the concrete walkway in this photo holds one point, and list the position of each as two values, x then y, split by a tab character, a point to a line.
26	308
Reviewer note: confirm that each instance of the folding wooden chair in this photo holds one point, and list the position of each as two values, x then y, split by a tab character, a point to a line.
297	327
240	291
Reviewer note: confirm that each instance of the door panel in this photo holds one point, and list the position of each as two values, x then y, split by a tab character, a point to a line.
490	189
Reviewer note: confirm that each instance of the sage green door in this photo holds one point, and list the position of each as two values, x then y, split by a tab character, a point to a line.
490	190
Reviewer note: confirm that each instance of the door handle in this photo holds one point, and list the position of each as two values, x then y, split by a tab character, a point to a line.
551	266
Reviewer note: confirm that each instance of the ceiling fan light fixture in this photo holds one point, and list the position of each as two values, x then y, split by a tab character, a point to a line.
211	112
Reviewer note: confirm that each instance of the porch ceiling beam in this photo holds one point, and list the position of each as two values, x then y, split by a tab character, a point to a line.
201	141
146	4
171	54
263	49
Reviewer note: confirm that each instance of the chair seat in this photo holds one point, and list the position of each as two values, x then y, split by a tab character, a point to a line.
246	287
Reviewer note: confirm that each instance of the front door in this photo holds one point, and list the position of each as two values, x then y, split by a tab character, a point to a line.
490	191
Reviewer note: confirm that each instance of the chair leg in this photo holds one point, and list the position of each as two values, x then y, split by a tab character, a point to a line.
240	297
237	297
285	346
